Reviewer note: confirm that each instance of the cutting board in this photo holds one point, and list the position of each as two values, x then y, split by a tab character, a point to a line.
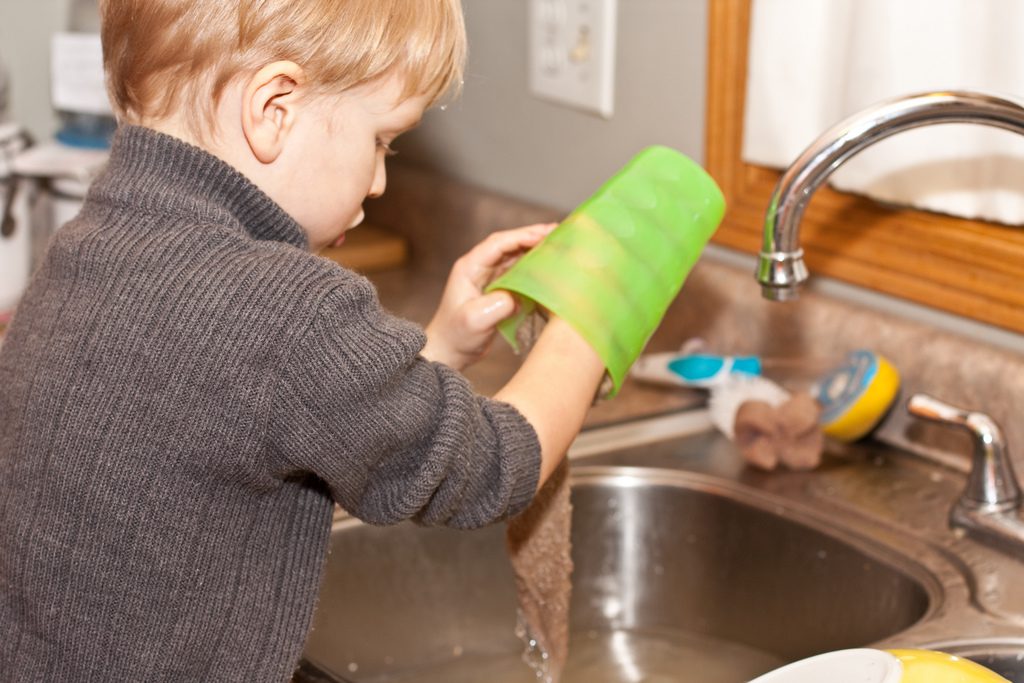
368	248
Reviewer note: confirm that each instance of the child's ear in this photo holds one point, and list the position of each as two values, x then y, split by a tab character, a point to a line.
270	103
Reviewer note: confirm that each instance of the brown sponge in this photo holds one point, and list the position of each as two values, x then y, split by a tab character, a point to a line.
789	434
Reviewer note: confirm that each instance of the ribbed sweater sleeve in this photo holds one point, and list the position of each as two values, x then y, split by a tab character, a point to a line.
396	436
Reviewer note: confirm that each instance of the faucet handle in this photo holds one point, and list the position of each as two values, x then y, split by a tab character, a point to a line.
991	483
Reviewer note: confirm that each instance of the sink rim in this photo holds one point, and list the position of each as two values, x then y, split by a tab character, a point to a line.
919	564
1002	654
981	645
916	559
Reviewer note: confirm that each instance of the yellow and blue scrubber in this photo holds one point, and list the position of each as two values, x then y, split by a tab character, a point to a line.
856	395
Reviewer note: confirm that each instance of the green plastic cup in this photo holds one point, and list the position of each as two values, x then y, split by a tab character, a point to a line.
615	264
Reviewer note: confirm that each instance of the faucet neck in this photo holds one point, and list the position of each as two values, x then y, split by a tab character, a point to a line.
781	260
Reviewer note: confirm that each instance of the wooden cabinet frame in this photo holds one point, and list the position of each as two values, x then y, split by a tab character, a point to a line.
970	268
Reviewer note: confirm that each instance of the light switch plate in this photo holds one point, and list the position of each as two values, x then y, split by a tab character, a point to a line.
572	53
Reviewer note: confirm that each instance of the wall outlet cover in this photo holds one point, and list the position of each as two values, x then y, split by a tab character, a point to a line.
572	53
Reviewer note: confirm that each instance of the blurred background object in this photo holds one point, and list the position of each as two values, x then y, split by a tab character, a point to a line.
4	92
15	237
78	91
49	52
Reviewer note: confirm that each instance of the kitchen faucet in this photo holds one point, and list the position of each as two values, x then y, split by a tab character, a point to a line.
989	506
781	268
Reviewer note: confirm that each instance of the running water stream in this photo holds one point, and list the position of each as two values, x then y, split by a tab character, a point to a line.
539	548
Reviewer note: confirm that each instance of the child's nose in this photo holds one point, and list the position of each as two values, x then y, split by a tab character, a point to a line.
380	181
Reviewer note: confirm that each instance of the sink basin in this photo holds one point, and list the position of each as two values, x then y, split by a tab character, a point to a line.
679	576
1005	656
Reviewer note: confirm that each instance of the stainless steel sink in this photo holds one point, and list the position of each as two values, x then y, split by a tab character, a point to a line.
679	576
1005	656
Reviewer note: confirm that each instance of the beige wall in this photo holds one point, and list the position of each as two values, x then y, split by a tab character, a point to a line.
497	134
25	30
501	137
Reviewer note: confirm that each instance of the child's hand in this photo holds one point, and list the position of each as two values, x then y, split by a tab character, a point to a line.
464	324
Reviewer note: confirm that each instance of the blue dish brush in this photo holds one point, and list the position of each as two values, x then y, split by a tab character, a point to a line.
702	370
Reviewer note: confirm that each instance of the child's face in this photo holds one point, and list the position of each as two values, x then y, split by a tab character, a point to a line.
338	160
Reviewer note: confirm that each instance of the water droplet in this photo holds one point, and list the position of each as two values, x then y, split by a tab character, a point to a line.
353	667
457	651
533	655
822	554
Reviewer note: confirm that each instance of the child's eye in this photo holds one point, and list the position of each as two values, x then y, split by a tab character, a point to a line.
388	152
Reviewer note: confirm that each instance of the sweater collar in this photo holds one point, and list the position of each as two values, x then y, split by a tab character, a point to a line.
164	174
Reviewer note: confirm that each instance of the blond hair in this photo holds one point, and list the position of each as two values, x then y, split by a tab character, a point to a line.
169	56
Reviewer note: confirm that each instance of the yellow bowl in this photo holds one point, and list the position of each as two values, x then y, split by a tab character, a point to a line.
867	665
928	666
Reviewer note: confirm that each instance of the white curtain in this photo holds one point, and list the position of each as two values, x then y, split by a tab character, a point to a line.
815	62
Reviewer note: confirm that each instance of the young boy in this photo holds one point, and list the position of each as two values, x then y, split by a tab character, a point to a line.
187	388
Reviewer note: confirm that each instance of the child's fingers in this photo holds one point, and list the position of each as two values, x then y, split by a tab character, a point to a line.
485	312
499	246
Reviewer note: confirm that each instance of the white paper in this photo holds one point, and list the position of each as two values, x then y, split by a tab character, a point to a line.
77	74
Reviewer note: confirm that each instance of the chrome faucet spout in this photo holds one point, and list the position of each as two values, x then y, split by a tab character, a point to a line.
781	267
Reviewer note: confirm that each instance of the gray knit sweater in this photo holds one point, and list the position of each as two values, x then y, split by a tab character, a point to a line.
184	392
